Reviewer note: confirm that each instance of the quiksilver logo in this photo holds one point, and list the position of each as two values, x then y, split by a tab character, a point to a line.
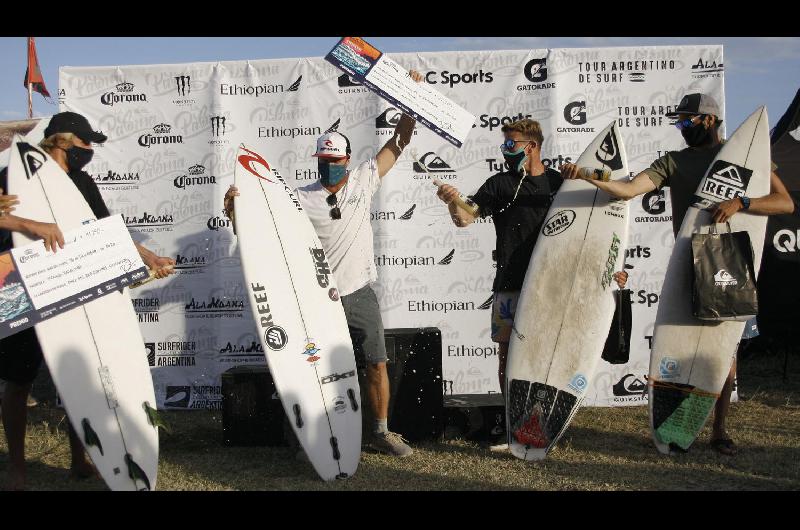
723	278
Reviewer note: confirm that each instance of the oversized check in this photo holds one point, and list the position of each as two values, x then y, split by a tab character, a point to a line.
370	67
98	258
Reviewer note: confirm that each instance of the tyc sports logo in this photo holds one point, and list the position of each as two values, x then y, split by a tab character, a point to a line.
430	162
535	71
162	134
724	279
124	94
725	181
704	68
575	114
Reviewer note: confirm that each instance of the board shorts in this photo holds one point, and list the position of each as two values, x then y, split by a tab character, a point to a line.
366	326
504	307
20	357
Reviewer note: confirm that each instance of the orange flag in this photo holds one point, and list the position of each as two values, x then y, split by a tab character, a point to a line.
33	74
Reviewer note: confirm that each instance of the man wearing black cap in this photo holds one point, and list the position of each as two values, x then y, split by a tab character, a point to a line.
698	120
67	139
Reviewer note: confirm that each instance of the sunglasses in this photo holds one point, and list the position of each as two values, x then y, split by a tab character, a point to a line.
687	123
509	144
335	212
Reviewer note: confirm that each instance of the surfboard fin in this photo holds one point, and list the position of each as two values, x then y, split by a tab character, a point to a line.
298	419
136	472
90	437
353	403
155	418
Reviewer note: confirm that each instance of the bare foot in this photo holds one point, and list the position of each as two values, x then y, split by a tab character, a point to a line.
16	480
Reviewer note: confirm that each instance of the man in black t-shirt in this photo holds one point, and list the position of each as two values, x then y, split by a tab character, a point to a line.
68	139
517	200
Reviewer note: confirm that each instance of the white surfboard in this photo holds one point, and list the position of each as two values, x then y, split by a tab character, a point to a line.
95	352
691	358
566	304
299	317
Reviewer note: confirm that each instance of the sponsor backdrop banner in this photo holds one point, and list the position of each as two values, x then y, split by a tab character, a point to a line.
174	129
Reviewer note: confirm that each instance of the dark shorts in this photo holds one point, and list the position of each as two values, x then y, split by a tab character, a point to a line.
20	357
366	327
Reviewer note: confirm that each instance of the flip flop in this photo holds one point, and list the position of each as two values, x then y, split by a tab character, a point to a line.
724	446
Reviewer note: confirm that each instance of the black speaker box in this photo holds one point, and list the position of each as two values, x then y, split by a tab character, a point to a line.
252	413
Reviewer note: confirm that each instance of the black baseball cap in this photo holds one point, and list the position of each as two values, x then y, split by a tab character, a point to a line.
696	104
72	122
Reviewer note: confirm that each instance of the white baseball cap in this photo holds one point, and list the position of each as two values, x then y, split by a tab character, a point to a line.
332	145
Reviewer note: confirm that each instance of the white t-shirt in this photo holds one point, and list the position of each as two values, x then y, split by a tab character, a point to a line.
347	241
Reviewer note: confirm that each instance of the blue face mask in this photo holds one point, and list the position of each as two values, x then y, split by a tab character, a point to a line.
515	159
330	174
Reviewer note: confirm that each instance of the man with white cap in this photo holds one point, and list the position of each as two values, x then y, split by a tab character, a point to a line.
338	205
698	120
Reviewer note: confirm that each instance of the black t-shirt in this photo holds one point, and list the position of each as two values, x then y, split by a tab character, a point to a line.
82	181
517	225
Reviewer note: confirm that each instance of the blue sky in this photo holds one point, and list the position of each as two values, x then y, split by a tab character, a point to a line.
758	70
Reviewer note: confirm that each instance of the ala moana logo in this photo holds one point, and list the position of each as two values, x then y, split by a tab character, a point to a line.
240	350
703	68
558	222
256	91
122	95
114	179
148	220
430	162
379	215
196	177
161	135
725	181
535	71
214	308
189	263
724	279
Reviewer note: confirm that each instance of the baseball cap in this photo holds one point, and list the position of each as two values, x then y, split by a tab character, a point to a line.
72	122
332	145
696	104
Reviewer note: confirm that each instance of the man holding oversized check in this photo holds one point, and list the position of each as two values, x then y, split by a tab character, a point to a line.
68	140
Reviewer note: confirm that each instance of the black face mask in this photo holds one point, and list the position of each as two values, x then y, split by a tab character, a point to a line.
78	157
696	136
515	161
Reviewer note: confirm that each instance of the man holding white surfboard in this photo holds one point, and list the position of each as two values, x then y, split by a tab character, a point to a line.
67	140
338	206
698	120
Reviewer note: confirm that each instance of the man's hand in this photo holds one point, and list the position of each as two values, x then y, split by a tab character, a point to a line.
7	203
569	171
725	210
447	193
621	278
232	192
416	76
161	265
49	232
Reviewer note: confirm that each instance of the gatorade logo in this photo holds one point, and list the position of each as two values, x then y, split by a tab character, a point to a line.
575	113
536	70
786	241
654	202
723	278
